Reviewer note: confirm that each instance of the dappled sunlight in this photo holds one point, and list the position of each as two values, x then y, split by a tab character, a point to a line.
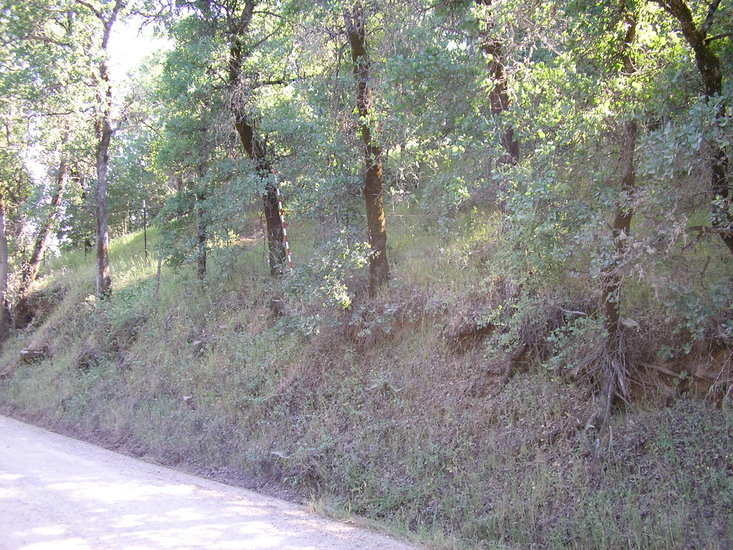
63	493
111	493
152	514
72	543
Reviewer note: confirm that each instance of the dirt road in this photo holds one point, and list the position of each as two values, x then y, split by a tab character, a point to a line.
59	493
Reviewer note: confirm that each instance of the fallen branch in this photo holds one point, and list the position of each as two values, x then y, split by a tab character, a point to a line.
33	355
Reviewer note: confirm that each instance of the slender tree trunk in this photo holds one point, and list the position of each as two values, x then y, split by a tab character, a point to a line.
103	127
30	270
610	297
104	136
275	235
145	232
201	226
4	261
708	65
373	177
254	145
613	374
201	231
614	371
499	100
256	149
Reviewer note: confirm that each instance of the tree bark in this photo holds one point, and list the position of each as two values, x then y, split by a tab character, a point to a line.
31	268
613	367
499	101
355	21
256	149
201	225
104	137
103	129
4	261
610	298
708	65
201	233
254	145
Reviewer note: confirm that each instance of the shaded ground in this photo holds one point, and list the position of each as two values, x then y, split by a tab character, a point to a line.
57	492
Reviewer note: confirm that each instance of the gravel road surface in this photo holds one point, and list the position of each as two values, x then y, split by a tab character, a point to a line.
59	493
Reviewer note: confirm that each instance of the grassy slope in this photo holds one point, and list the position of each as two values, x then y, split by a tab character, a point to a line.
384	421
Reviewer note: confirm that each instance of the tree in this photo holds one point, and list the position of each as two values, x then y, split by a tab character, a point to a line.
33	265
615	368
499	101
14	183
40	99
239	21
245	31
708	64
356	20
107	16
193	136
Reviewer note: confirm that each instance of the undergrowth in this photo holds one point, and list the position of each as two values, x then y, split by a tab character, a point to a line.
378	409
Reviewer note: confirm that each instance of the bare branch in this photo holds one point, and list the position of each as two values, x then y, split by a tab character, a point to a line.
47	40
710	18
54	114
263	40
718	37
91	8
267	12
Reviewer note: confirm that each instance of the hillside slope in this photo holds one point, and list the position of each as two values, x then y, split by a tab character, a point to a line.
397	409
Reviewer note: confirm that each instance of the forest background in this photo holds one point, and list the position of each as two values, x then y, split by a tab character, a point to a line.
500	312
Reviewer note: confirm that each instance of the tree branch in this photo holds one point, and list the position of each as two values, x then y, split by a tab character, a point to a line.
718	37
263	40
47	40
710	18
266	12
91	8
53	114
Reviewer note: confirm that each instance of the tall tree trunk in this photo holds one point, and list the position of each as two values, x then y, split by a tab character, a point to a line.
708	65
610	297
256	149
201	226
499	100
355	20
613	379
201	231
254	145
4	261
103	128
613	374
104	136
30	269
275	235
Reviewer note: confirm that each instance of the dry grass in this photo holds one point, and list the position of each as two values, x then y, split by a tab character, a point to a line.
377	414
